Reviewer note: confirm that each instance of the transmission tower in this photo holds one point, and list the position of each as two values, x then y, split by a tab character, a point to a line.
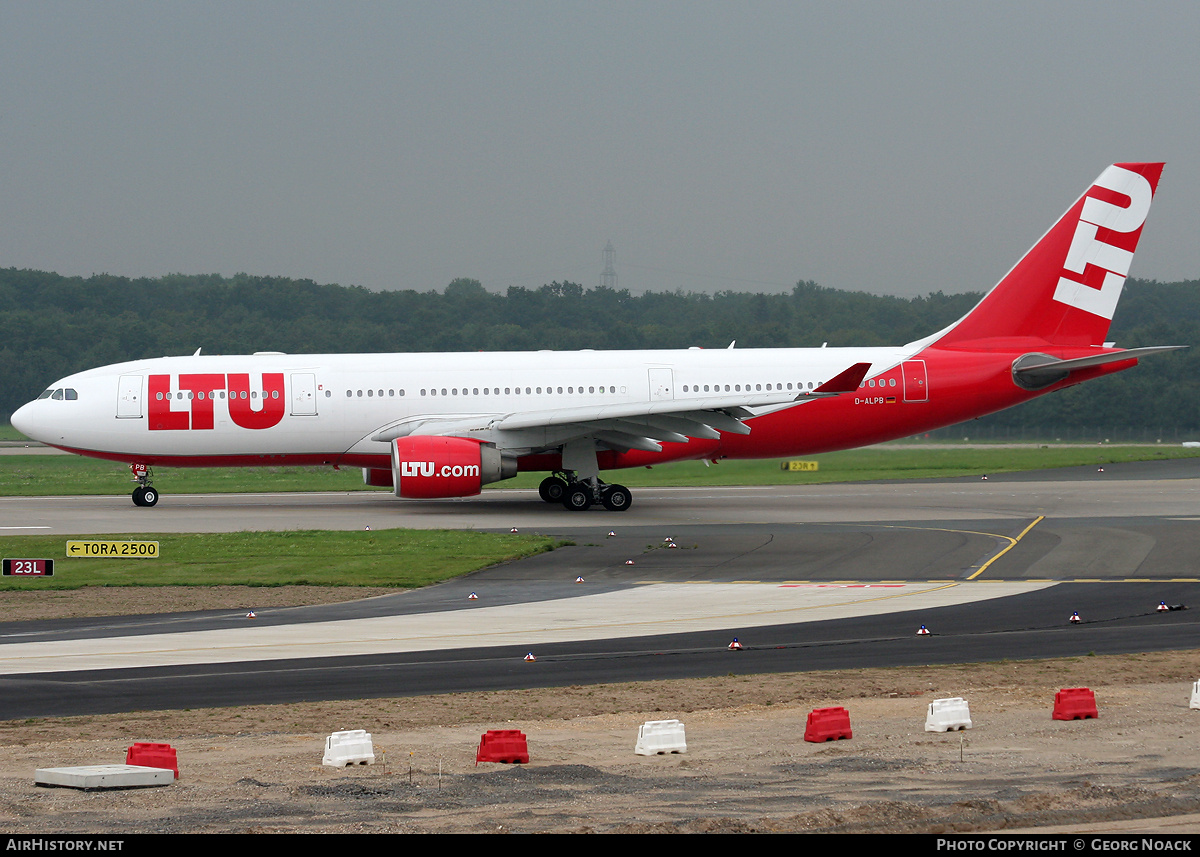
608	278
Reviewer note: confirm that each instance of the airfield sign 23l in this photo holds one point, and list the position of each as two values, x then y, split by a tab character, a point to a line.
29	567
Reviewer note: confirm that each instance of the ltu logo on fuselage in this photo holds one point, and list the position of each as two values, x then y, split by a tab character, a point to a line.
258	408
429	468
1088	249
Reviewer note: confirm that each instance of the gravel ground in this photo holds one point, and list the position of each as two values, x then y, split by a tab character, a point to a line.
258	769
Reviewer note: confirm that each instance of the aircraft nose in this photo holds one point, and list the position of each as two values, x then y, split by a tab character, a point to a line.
23	420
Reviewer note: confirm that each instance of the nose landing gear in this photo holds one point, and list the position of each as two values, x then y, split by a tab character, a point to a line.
144	494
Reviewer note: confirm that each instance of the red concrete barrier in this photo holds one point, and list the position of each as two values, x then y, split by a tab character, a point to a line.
828	724
148	755
1075	703
503	745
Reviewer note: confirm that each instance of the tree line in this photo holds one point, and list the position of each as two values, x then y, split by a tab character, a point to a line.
51	326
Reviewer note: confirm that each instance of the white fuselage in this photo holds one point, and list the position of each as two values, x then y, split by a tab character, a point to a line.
332	405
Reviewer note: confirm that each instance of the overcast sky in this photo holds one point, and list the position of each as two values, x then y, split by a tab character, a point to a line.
896	148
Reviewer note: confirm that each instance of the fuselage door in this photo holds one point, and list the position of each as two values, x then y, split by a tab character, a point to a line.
662	385
304	395
129	397
916	381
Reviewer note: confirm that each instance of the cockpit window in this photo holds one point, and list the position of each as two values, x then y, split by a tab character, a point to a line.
59	394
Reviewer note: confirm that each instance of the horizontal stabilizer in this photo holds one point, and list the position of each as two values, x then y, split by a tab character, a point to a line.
1037	371
1045	362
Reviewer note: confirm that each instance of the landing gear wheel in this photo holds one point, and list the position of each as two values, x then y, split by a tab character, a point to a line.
552	489
144	494
616	498
577	497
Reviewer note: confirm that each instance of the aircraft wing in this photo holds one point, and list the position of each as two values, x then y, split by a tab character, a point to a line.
622	426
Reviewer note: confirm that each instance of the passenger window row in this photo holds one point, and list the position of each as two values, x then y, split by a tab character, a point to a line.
748	388
486	391
217	394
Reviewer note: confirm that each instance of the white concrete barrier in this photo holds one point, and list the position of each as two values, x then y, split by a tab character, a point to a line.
946	715
352	747
656	737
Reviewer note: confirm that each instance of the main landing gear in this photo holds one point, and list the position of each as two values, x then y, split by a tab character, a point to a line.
144	494
578	495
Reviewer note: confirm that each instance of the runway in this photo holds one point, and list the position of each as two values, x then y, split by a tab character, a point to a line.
807	578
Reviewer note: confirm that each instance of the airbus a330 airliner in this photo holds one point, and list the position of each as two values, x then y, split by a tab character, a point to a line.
444	425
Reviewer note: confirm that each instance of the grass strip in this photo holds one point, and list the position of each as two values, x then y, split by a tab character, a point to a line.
402	559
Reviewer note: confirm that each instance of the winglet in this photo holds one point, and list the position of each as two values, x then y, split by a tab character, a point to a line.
845	382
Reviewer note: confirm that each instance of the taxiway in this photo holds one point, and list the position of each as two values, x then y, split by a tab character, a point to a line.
814	577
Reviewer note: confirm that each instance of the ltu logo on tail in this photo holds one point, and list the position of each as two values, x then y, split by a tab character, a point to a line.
1087	248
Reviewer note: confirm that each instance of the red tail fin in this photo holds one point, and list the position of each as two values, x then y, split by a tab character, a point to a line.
1065	290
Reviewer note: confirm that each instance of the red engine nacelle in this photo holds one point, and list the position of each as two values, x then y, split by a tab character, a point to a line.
427	467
